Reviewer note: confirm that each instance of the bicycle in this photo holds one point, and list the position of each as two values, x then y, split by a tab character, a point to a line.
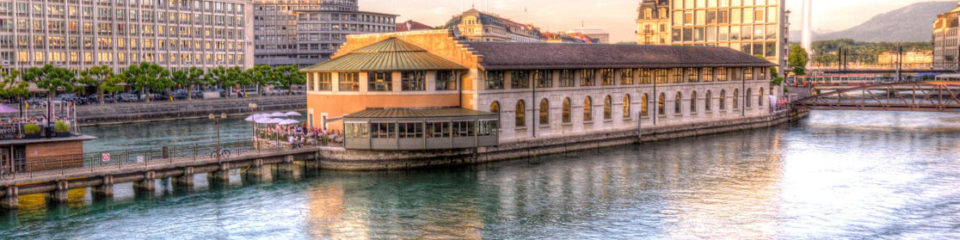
223	152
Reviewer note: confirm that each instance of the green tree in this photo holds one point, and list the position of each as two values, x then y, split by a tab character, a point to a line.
798	60
52	79
188	78
260	76
236	77
220	77
12	87
102	78
148	77
287	76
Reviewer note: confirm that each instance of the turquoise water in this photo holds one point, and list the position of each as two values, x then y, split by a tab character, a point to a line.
835	175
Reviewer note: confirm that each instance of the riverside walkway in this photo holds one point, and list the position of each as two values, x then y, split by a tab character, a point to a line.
180	170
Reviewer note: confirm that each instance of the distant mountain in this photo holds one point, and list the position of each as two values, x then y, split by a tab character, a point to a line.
913	23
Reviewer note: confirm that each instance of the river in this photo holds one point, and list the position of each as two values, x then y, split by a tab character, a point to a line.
834	175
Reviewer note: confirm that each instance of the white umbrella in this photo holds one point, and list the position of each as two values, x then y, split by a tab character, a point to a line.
267	120
292	114
251	118
278	114
288	122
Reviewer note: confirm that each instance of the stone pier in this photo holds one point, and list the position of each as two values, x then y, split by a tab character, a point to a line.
147	184
9	199
220	176
105	189
287	169
59	195
184	182
256	172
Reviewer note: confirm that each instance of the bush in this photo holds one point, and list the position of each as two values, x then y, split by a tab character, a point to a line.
61	127
31	129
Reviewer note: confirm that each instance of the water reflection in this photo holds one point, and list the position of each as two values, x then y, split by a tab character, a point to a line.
836	175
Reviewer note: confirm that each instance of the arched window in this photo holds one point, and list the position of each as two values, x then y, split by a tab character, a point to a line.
723	100
676	103
544	112
644	105
626	106
607	108
495	107
521	114
662	105
708	100
760	98
749	97
566	110
693	102
736	98
587	110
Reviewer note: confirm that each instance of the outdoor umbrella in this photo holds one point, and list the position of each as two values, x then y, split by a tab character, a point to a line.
7	109
293	114
266	120
278	114
288	122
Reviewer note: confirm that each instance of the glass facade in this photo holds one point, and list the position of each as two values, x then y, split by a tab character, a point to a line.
304	32
82	33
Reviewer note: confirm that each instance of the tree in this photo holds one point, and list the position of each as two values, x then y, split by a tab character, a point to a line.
798	60
10	86
287	76
102	78
188	78
217	77
236	77
148	76
259	75
52	79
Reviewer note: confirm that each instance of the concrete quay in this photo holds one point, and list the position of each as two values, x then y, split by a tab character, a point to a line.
181	171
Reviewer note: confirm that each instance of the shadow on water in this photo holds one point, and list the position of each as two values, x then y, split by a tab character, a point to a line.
816	179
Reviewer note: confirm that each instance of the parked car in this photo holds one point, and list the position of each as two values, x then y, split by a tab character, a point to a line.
127	97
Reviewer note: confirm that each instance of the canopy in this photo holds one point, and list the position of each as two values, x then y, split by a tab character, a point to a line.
7	109
293	114
288	122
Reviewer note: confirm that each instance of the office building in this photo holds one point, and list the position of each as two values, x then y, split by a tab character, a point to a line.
78	34
303	32
755	27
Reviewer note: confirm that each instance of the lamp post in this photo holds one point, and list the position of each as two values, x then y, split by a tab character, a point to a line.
256	144
217	121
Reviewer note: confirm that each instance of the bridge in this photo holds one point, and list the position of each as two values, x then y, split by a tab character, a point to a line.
919	96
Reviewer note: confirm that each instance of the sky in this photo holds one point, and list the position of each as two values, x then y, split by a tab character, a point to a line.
616	16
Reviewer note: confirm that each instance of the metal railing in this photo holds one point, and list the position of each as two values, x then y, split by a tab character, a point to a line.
167	154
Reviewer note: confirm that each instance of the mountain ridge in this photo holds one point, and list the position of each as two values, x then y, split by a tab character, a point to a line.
911	23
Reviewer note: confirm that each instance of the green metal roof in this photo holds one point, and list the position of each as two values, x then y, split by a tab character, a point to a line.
418	113
387	55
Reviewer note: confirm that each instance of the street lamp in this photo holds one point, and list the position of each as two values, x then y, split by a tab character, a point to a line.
253	108
217	121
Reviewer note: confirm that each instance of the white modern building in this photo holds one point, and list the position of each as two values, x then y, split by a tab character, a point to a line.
78	34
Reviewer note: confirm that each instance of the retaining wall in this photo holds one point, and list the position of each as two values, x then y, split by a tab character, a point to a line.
164	110
392	160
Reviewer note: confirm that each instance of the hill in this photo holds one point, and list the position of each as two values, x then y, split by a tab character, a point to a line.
913	23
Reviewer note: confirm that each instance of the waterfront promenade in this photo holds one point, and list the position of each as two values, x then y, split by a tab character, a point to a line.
120	113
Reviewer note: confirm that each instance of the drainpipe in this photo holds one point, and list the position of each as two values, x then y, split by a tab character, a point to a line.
743	104
534	104
656	99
